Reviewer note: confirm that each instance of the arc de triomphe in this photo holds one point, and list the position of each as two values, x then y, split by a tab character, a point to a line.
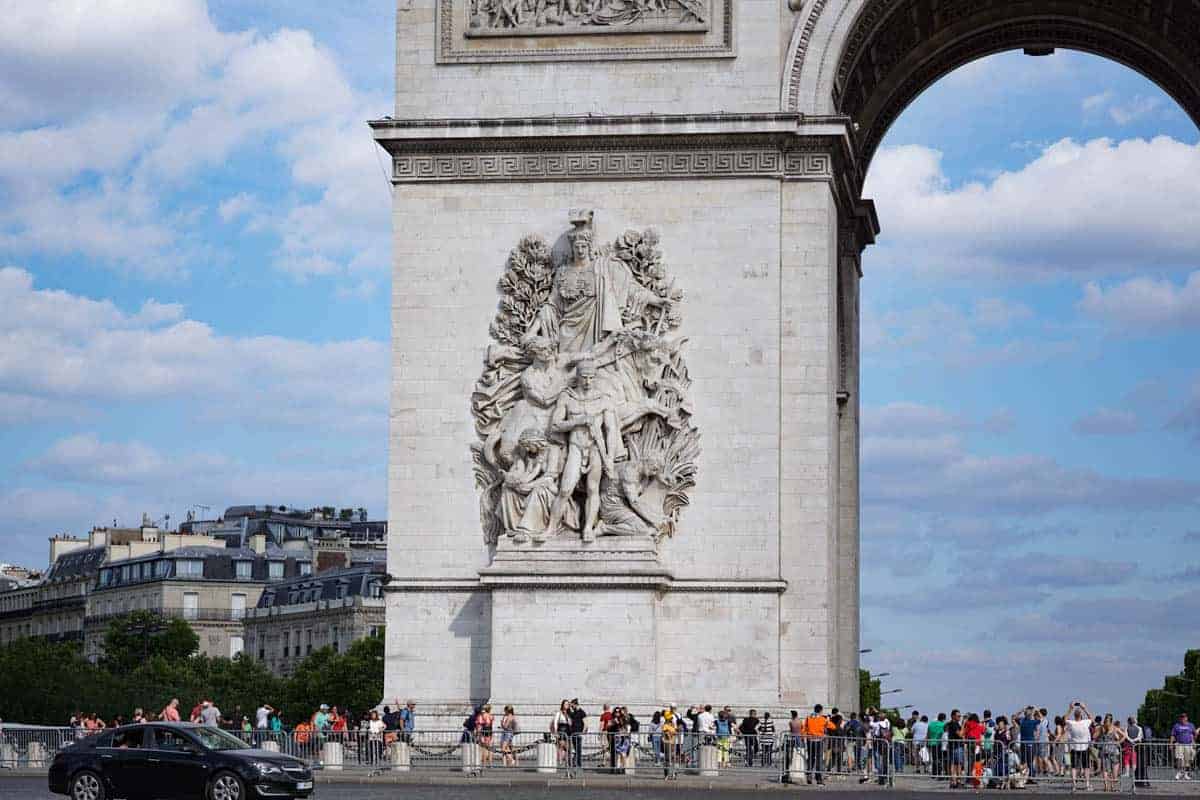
624	443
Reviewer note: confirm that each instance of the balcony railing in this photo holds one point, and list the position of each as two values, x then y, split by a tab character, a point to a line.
189	614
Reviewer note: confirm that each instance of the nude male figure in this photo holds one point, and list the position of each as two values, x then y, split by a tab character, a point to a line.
588	418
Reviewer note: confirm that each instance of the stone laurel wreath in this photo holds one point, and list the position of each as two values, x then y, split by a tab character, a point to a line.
524	288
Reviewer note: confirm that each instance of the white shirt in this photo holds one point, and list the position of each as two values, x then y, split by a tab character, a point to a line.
261	716
1079	734
880	727
707	722
920	730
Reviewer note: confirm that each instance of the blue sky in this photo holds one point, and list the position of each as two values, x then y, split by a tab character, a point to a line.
194	240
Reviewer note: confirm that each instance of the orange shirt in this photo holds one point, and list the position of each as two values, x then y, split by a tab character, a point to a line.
817	725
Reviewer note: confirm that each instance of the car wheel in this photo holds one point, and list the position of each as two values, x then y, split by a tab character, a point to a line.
226	786
87	786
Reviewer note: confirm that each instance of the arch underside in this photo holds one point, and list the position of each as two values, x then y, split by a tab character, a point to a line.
895	49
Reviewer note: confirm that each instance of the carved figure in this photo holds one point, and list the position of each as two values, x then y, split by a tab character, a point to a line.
588	418
530	489
540	385
509	14
547	450
624	510
589	296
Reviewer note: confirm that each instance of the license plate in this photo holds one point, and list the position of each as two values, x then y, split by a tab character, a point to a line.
304	785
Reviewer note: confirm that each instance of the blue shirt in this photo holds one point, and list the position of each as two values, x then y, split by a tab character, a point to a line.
406	717
1029	728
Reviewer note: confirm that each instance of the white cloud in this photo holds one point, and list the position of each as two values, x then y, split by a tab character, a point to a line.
936	473
69	349
1135	109
64	58
239	205
1094	208
1107	422
84	458
134	104
996	312
1145	303
1096	102
957	338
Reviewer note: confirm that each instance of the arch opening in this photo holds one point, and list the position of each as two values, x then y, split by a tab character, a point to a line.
867	60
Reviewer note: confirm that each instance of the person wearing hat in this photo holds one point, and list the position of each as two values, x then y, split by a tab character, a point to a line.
669	731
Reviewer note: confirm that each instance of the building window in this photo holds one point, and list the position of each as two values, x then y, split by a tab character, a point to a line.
191	605
287	642
308	642
189	568
164	569
236	645
305	567
237	605
337	645
244	570
125	574
275	570
105	577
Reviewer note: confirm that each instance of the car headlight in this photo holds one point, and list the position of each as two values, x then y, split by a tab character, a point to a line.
267	768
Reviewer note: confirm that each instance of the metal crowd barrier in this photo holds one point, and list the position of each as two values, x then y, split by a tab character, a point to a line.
905	763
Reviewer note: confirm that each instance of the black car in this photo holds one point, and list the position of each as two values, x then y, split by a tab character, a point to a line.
173	760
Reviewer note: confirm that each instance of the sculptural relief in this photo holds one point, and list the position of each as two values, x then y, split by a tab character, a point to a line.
534	17
583	410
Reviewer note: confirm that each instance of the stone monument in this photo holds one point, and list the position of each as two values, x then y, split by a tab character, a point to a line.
645	219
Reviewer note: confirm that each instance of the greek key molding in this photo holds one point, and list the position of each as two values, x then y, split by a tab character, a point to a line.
713	40
769	161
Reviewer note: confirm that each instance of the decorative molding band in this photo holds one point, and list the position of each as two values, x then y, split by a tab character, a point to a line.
458	43
724	587
639	158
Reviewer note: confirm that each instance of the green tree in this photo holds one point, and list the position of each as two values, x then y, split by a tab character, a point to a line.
43	683
1180	695
869	691
352	680
132	640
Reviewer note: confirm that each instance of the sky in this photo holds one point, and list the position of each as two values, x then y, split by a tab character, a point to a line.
194	273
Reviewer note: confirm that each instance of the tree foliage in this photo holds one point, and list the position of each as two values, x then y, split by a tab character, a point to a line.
148	673
132	640
869	690
1180	694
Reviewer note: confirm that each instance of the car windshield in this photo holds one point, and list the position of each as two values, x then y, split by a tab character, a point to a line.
216	739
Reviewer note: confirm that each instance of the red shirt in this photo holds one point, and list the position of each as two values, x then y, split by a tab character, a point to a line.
170	714
973	730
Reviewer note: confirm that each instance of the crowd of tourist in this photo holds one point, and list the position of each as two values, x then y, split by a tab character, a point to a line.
966	749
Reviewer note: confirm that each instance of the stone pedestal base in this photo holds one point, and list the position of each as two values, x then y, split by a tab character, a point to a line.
332	755
271	746
708	761
547	753
401	753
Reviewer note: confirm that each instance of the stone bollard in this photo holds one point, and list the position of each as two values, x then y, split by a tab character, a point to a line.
36	755
401	757
547	758
271	745
796	766
332	755
470	758
708	760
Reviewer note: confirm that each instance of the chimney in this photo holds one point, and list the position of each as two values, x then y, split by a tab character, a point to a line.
258	543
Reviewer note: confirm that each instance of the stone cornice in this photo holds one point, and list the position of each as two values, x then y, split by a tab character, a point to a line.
657	579
782	146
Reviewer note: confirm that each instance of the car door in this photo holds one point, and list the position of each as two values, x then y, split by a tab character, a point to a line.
125	762
178	766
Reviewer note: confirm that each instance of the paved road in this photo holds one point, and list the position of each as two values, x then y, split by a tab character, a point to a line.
23	788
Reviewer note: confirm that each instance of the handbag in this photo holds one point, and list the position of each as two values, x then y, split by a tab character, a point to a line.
924	754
